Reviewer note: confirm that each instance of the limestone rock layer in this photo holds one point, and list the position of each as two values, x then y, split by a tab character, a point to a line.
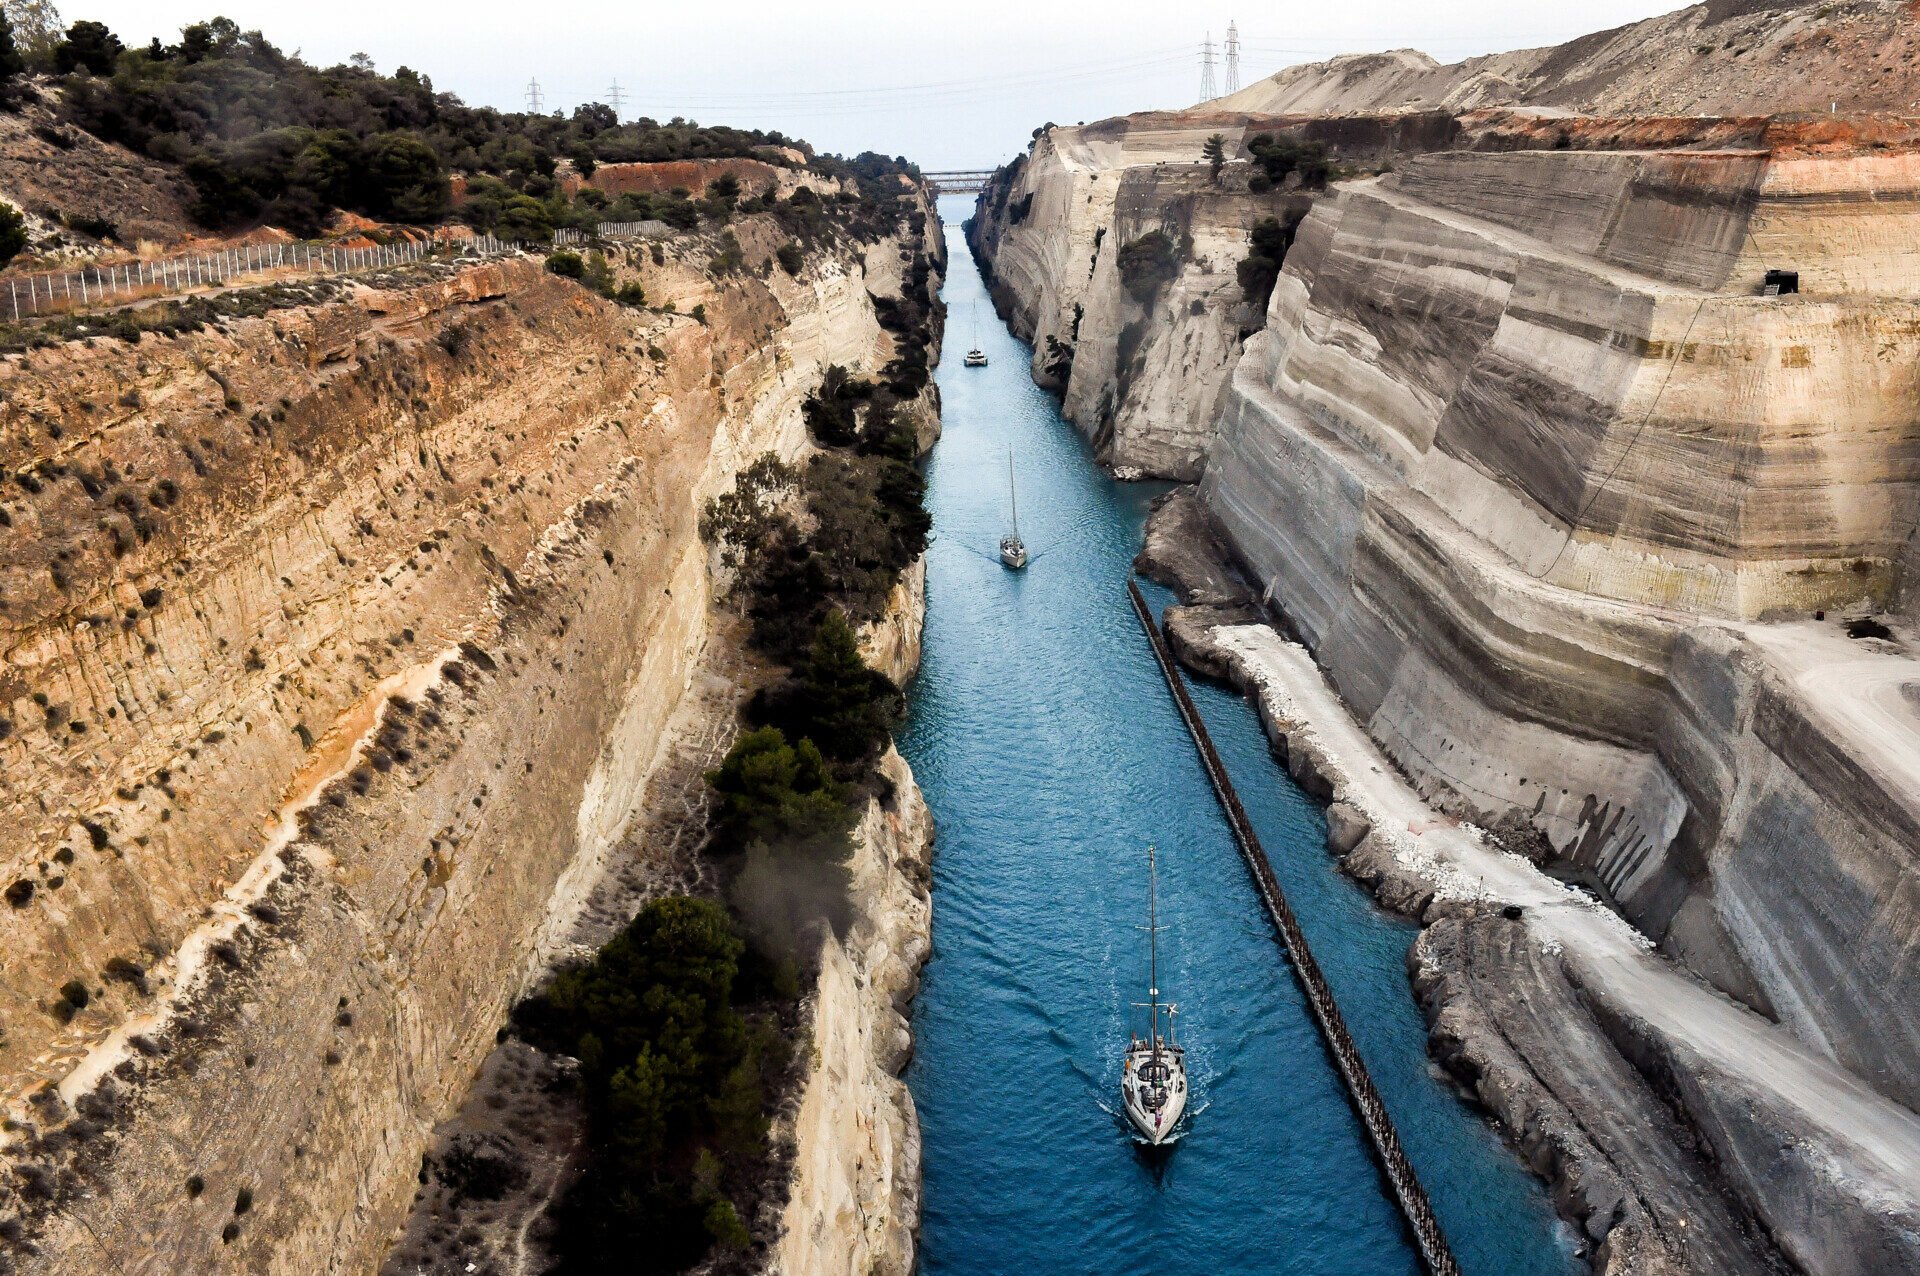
339	645
1610	547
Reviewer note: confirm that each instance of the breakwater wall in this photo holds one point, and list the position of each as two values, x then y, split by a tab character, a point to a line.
1403	1184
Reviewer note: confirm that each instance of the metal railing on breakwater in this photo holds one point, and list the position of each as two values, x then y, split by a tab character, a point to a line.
1403	1183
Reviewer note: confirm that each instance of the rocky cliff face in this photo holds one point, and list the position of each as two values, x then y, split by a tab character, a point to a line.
1555	480
340	643
855	1194
1144	378
853	1200
1721	57
1142	386
1610	551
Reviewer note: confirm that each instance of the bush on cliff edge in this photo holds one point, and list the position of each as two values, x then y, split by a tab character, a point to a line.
1148	264
1266	253
675	1024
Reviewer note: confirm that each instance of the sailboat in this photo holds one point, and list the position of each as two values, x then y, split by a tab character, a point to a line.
976	357
1153	1079
1013	550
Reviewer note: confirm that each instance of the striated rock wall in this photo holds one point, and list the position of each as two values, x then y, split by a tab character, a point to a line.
1145	380
1523	454
1532	475
339	645
1575	519
1683	1133
1140	380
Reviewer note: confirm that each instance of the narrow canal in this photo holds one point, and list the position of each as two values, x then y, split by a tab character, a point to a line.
1051	756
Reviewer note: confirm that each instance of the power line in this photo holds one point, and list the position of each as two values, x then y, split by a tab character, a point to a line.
615	96
1207	90
1233	56
811	105
534	100
1048	74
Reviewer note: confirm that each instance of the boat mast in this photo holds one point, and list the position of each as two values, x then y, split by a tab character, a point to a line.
1013	495
1153	953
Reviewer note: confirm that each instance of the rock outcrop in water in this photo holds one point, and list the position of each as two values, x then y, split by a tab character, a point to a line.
1611	550
343	643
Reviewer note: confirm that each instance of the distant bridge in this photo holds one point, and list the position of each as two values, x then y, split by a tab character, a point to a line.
959	181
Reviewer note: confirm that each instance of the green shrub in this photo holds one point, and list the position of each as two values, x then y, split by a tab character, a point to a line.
870	522
778	794
1266	253
597	274
1148	264
566	264
13	233
790	258
630	294
94	226
89	46
832	699
676	1080
11	63
1277	156
832	412
523	217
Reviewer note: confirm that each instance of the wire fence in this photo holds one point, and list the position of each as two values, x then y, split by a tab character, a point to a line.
29	296
1404	1183
567	237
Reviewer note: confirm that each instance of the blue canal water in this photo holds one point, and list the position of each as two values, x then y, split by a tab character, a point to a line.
1051	756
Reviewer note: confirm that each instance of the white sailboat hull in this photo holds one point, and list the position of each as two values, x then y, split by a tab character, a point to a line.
1154	1100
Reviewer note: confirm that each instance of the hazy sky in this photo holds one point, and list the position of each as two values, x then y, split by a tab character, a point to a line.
948	85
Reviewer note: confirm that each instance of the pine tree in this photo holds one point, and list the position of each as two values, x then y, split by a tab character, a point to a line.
13	233
11	63
1214	151
37	30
